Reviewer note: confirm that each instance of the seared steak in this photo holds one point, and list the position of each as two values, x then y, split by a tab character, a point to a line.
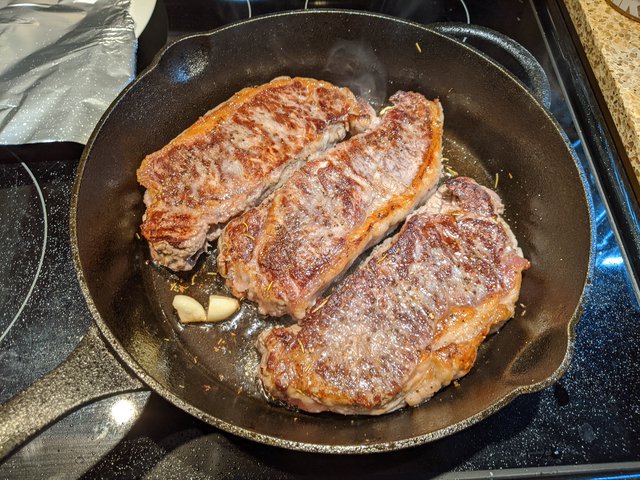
410	319
234	156
285	252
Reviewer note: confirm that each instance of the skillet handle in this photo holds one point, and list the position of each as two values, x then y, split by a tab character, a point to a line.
535	80
89	373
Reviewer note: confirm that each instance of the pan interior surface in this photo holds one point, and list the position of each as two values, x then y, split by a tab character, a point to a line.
494	132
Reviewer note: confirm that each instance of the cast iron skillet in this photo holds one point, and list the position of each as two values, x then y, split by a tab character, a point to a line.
493	125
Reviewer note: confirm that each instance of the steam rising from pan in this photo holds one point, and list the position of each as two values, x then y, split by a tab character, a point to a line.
354	64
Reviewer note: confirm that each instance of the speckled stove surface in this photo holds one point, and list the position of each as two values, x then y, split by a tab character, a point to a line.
591	416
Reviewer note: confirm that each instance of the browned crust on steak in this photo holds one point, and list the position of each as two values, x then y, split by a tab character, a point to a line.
287	251
233	156
410	319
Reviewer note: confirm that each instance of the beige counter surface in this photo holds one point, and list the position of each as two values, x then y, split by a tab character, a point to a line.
612	45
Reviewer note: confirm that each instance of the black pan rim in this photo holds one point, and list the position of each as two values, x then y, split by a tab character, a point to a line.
128	360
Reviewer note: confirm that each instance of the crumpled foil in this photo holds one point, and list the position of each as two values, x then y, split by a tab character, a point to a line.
62	62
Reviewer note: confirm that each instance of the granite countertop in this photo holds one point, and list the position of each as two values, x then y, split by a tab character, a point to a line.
612	45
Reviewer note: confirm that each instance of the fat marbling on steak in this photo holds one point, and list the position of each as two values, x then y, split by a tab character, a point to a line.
234	156
284	253
410	319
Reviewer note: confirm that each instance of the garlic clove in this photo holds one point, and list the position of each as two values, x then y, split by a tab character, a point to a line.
221	308
189	309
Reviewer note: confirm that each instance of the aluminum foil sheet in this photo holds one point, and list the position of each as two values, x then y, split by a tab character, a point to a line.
62	62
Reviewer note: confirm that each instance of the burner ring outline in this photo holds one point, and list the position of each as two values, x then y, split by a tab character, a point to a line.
44	248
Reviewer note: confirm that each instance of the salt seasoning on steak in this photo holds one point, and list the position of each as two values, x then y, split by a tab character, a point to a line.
410	319
284	253
234	156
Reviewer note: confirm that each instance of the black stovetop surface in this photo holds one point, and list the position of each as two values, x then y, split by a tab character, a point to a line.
591	416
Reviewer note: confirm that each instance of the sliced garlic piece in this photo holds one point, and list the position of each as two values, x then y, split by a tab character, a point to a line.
221	307
189	309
